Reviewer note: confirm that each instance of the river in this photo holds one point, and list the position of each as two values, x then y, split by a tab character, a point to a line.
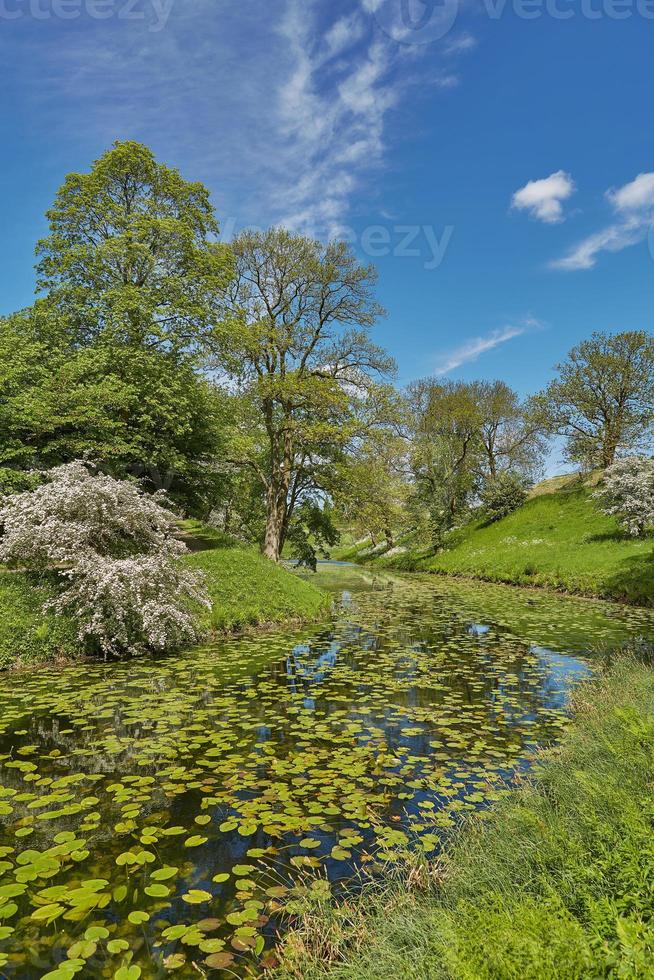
163	812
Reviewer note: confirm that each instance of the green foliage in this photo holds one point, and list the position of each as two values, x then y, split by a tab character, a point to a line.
137	411
132	252
552	884
27	635
603	400
311	533
502	495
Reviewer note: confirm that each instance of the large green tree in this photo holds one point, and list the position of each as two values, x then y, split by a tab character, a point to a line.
602	402
512	439
297	349
135	411
132	250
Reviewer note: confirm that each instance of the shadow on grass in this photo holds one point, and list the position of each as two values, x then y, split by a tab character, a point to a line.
618	535
634	581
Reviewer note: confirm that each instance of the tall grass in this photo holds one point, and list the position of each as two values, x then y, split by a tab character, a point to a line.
555	883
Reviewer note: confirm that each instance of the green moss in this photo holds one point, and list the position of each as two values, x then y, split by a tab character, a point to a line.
553	883
557	540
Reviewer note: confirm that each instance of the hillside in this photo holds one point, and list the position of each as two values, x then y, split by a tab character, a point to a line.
558	539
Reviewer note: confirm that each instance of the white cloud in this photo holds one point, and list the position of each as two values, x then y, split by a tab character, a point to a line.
636	196
543	199
634	216
472	349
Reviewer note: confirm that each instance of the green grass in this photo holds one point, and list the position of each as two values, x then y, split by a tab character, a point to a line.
248	590
557	540
27	635
556	882
245	588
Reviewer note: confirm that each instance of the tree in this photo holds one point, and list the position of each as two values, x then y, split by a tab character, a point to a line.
447	446
628	493
114	552
136	411
603	400
132	251
511	438
297	347
373	489
503	494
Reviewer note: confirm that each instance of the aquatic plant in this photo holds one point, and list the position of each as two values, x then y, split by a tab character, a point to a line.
174	813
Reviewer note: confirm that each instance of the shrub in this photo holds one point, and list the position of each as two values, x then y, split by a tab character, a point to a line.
77	513
503	494
128	604
115	553
628	493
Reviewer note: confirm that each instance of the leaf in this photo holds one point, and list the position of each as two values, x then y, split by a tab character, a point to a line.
219	961
138	918
196	897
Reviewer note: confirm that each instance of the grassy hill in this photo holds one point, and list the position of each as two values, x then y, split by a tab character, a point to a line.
245	588
558	540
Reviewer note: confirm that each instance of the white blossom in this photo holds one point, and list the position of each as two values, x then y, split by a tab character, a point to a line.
115	553
628	493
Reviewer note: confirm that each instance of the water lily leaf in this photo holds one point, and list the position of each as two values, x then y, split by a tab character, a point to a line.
196	897
219	961
138	918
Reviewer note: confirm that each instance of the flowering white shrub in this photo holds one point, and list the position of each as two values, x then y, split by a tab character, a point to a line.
78	512
628	493
116	555
126	605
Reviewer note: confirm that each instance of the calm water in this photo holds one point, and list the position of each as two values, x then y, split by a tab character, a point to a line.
160	814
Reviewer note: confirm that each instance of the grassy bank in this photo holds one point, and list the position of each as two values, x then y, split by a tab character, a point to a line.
554	883
245	588
248	590
556	540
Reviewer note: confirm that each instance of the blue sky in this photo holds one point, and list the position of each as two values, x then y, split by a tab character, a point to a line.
498	168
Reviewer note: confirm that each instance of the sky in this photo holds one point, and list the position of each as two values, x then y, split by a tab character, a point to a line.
493	158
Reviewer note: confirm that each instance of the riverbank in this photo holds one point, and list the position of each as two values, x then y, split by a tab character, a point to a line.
552	883
557	541
246	591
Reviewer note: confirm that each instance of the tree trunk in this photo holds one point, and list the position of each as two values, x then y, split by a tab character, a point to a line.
276	524
273	543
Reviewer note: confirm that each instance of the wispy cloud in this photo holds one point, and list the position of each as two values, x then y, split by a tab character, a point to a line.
472	349
281	106
544	198
633	207
334	107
